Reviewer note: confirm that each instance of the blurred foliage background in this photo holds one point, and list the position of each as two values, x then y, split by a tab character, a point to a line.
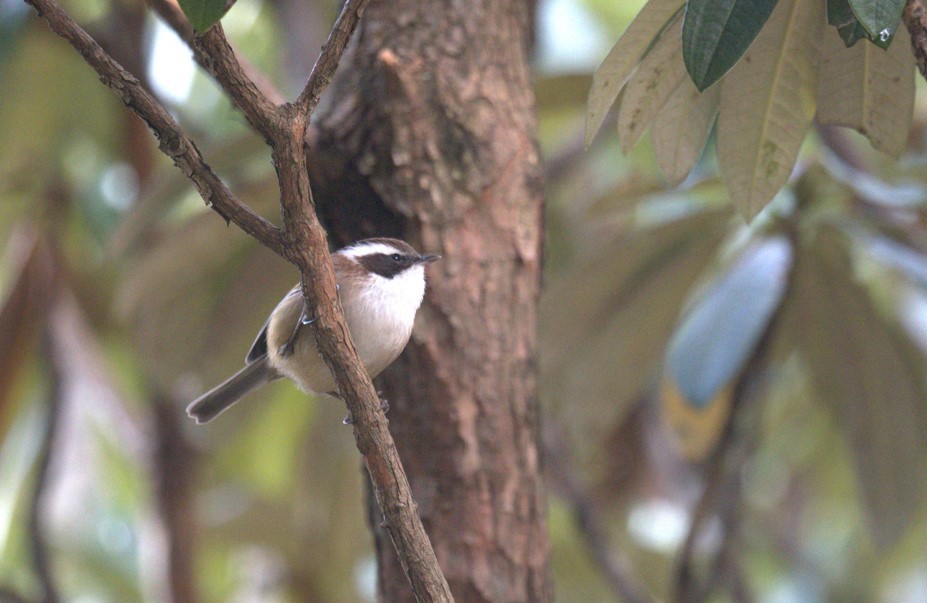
122	297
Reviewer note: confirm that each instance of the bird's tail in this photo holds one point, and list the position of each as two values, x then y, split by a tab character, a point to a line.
211	404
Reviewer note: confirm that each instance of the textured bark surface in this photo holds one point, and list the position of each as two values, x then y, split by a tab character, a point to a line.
430	135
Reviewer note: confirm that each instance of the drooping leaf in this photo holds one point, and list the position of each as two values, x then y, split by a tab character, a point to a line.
868	89
841	16
616	69
203	14
872	377
682	128
879	17
717	33
720	332
767	104
656	79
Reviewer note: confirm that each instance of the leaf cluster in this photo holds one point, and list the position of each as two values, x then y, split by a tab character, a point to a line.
763	71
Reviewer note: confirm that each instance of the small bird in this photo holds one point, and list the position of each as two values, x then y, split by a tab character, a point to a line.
381	283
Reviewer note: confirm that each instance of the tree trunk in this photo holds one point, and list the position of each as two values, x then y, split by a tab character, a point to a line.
430	135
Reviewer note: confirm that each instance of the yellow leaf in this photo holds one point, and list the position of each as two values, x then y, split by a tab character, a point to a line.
659	75
767	103
616	69
697	429
682	128
868	89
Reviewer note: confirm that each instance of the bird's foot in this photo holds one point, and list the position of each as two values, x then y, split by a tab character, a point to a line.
384	406
287	349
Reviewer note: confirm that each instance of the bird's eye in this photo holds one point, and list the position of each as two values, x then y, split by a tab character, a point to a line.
395	257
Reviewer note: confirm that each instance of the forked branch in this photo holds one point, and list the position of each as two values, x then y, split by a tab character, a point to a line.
301	241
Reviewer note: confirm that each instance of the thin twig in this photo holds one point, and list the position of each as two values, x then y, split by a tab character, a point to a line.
171	139
325	67
303	242
613	562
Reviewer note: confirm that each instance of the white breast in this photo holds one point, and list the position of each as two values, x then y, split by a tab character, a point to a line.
380	314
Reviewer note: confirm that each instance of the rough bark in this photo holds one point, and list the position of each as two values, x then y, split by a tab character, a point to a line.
430	135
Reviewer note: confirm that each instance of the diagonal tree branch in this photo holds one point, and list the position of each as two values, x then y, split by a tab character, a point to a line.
325	67
302	241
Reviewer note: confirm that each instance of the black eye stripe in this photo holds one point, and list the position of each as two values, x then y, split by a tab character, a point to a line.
385	265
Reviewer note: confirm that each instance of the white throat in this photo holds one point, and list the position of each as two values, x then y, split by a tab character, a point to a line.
383	309
394	300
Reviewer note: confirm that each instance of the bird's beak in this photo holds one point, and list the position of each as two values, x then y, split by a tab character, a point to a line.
427	259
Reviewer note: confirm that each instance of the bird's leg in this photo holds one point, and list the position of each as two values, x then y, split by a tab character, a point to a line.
287	349
384	403
384	406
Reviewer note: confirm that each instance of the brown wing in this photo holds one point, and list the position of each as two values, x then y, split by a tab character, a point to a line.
259	347
345	270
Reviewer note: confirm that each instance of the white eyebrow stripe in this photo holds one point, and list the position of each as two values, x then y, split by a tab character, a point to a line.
362	249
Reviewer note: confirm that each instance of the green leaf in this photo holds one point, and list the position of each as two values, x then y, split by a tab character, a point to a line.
203	14
616	69
767	104
879	17
841	16
682	128
656	79
721	330
717	33
869	90
873	379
